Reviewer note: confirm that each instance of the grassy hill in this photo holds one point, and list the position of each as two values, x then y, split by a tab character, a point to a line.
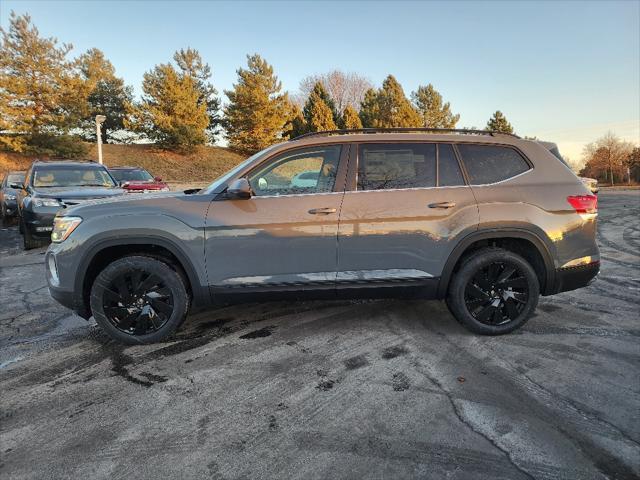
200	167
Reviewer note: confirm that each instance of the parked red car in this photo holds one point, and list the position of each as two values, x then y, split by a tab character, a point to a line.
137	180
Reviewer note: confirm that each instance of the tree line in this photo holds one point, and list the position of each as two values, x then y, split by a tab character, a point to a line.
48	101
612	160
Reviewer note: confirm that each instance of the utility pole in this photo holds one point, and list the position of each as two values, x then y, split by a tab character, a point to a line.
99	121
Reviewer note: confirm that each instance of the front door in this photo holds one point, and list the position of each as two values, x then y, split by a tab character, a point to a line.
403	215
285	236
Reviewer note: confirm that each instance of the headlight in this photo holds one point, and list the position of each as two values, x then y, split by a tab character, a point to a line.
62	228
46	202
8	196
165	189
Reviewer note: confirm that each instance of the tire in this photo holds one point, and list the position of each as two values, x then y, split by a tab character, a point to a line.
494	292
20	227
3	212
28	240
139	299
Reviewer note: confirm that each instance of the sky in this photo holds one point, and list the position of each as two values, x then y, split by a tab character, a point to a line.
562	71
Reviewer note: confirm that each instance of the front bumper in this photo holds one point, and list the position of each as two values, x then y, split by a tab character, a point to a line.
39	223
10	208
572	278
67	298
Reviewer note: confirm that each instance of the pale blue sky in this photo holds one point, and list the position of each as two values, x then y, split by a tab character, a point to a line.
564	71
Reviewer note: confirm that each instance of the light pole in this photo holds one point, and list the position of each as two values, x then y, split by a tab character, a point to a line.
99	121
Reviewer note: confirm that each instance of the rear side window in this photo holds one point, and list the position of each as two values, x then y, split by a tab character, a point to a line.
449	173
396	165
490	164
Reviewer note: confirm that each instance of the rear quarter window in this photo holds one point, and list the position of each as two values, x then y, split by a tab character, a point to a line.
491	163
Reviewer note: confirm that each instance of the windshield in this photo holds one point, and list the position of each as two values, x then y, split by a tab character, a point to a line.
131	175
71	177
224	178
15	178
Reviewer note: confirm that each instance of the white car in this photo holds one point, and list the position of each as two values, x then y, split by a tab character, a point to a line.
590	183
306	179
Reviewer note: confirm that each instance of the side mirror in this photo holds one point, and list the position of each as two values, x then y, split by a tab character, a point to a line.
16	186
157	179
239	189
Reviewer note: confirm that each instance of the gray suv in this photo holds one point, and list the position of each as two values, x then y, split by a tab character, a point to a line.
487	221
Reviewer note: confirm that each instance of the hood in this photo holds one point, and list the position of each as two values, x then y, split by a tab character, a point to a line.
10	191
122	202
78	193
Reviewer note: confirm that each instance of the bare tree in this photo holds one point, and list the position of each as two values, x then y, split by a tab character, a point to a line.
607	155
344	88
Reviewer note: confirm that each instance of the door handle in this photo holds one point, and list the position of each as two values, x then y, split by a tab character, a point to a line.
322	211
442	205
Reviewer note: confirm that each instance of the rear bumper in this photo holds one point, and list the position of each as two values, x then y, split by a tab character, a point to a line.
572	278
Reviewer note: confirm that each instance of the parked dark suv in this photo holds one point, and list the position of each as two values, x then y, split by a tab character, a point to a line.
487	221
8	193
53	185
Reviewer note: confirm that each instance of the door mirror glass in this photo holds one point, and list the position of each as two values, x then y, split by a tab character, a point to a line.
239	189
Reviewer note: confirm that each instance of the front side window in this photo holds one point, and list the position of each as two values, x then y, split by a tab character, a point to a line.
396	165
71	177
491	163
309	170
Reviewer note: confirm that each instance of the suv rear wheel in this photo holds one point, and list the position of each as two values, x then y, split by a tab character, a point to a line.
139	299
494	292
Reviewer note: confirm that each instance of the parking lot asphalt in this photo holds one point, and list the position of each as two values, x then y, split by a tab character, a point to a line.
361	389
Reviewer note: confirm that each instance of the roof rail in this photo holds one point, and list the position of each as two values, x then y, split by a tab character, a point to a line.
327	133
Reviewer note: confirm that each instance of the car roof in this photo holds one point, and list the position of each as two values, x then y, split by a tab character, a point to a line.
126	168
79	163
406	134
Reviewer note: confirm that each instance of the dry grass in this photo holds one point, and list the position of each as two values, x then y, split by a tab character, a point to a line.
200	167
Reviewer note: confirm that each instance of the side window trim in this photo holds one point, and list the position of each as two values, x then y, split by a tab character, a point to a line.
340	181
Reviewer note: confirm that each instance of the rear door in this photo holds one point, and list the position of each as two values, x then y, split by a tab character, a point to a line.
407	207
285	236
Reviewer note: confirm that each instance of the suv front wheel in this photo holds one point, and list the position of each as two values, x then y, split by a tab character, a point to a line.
495	291
139	299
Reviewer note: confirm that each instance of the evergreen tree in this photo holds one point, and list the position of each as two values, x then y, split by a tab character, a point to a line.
350	119
498	123
41	95
106	95
369	108
257	113
319	110
388	107
297	124
170	112
435	113
319	94
320	117
190	63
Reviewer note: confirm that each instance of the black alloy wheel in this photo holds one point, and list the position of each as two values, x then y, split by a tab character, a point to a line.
140	299
138	302
494	291
497	293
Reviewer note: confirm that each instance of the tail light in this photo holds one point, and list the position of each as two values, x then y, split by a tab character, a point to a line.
584	203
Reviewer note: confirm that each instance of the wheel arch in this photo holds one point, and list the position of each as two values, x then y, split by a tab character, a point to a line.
512	239
106	251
